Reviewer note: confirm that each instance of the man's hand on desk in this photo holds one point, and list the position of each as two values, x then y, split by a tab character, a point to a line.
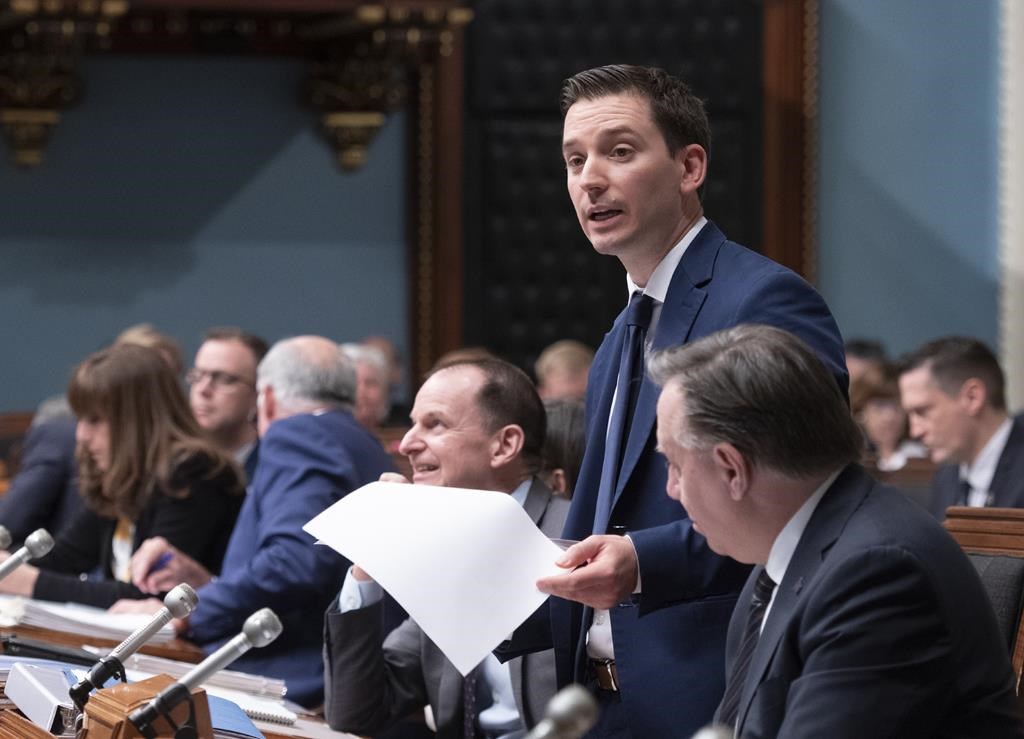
609	578
157	567
20	582
148	606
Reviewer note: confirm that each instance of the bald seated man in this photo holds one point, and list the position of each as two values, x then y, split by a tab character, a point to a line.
312	453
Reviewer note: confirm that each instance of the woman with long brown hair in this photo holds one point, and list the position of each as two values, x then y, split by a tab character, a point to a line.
145	469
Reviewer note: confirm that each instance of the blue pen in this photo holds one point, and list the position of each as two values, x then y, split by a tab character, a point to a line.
162	561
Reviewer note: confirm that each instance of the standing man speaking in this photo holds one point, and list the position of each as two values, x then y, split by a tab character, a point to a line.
647	626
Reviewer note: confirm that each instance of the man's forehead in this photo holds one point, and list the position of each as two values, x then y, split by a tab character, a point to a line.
456	386
225	350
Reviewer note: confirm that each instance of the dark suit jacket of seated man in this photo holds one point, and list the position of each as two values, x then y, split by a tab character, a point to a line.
953	391
477	425
874	623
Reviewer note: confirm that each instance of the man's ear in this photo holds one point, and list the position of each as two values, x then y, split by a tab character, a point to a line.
269	407
973	395
506	444
734	468
693	167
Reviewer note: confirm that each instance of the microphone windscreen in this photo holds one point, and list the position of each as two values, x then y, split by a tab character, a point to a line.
262	627
39	543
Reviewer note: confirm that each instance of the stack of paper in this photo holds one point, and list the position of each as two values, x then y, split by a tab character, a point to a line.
74	618
230	679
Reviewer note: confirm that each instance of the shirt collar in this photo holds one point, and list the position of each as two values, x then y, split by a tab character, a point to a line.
657	285
520	493
785	543
980	473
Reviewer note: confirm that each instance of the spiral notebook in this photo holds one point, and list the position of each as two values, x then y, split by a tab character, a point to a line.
257	707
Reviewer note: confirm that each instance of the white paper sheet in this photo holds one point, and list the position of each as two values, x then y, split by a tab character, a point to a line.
463	563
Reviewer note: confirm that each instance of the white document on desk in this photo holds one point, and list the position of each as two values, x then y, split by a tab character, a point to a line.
463	563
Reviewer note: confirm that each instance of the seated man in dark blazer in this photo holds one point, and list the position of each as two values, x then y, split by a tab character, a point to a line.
312	452
478	425
44	493
953	392
862	617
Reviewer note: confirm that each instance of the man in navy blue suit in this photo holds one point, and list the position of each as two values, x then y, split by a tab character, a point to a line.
312	452
647	625
862	616
953	391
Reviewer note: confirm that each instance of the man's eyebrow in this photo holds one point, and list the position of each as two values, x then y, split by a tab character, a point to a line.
604	133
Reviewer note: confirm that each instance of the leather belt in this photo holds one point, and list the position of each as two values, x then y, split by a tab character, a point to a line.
605	673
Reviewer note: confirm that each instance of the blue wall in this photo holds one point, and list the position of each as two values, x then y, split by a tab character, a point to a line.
190	193
909	162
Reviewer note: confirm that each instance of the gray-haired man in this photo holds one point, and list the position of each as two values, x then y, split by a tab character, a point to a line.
862	616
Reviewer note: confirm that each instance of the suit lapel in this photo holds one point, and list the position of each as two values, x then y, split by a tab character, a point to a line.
826	524
537	499
1004	481
683	301
600	389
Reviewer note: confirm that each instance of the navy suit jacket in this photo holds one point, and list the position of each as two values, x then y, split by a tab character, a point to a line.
44	493
307	463
879	628
669	645
1007	483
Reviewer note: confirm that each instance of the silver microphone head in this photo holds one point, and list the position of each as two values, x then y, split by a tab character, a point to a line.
5	537
573	710
181	600
38	543
262	627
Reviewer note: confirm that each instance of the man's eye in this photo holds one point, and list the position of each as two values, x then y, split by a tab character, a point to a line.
621	152
574	162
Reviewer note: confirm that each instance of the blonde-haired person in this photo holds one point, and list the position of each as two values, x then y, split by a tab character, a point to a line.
145	469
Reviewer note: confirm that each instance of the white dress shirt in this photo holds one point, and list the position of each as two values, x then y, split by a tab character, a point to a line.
979	474
599	637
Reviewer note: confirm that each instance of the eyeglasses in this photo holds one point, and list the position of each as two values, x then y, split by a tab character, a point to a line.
218	379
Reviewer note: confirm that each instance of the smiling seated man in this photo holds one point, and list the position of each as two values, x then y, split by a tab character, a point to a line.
862	616
478	425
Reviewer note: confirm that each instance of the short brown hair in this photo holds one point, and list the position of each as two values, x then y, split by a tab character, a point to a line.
953	360
152	429
255	344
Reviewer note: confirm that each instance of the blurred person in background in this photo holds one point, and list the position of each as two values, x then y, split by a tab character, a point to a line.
145	469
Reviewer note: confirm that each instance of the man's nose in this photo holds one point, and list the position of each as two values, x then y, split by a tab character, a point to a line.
410	443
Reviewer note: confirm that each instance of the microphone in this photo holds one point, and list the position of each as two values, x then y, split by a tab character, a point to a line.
178	603
259	630
38	543
5	537
569	715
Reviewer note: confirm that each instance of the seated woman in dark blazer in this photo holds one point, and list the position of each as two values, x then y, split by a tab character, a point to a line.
145	469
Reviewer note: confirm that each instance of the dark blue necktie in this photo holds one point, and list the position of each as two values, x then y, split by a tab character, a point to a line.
727	711
631	375
470	686
964	493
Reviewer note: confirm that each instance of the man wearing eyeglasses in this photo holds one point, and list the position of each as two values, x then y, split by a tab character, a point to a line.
222	391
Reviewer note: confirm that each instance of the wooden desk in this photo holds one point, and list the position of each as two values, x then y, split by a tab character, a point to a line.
304	728
178	649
